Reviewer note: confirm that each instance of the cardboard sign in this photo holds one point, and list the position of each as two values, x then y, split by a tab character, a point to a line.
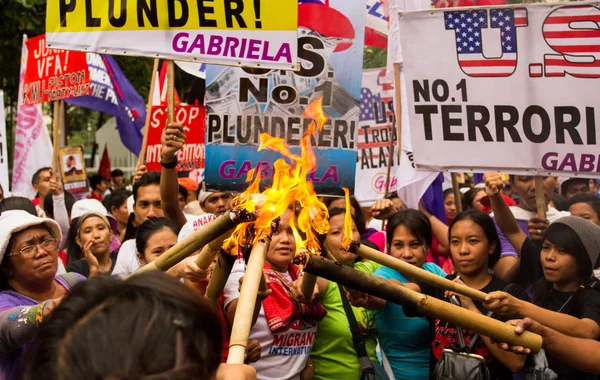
54	74
236	32
509	88
191	156
72	168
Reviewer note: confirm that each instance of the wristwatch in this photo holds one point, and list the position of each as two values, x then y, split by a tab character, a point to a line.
168	164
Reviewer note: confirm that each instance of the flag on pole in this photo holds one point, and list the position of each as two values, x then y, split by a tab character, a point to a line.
113	94
33	148
104	168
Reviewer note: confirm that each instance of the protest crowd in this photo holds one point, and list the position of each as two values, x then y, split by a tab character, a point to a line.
286	224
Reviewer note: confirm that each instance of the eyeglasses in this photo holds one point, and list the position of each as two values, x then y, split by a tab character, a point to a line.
29	251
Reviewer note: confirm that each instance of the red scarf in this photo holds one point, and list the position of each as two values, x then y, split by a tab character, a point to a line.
282	307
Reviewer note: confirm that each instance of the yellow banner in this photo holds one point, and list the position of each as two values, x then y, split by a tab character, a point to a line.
138	15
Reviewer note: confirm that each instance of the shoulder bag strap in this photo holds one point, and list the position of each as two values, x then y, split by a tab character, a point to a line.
357	339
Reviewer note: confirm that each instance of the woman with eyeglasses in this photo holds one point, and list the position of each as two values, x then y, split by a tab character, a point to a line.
29	287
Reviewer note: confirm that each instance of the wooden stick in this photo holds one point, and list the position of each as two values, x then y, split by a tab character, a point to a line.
219	277
55	136
207	255
142	156
430	306
414	272
540	197
457	194
170	91
242	321
398	92
192	243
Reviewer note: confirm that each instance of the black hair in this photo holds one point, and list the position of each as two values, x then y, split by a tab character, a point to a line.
149	178
563	236
469	197
570	181
560	203
333	213
74	251
415	221
49	204
183	191
117	198
164	329
359	218
35	179
18	203
392	195
447	192
117	173
95	180
588	198
149	228
486	223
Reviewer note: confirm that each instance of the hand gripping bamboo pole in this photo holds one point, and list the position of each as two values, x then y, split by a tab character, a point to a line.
432	307
242	321
219	277
540	197
412	271
195	241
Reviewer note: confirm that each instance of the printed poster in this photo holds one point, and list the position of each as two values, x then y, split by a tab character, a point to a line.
72	168
376	129
191	156
53	74
507	88
243	103
231	32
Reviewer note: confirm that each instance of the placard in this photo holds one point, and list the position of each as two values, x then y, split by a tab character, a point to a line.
54	74
509	88
72	168
236	32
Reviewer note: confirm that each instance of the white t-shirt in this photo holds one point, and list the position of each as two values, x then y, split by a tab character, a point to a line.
193	224
284	353
127	261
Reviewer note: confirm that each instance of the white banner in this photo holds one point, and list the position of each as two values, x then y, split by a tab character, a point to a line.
504	88
375	129
33	148
3	153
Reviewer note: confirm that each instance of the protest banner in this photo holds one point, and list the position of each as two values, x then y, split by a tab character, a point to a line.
53	74
33	148
242	103
240	32
72	169
3	153
464	68
191	156
376	128
112	93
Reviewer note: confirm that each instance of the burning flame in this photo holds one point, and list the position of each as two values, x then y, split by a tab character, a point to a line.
347	240
290	185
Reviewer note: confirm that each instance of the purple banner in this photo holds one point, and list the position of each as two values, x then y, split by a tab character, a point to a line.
112	93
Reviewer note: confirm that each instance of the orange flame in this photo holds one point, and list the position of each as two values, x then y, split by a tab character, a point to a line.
347	240
290	185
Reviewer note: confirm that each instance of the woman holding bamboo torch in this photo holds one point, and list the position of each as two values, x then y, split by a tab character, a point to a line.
405	341
474	248
284	327
334	355
559	272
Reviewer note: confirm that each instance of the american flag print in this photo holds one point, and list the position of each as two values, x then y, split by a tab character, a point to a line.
566	32
469	42
367	103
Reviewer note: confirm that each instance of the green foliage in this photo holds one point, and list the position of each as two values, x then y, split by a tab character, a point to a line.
374	58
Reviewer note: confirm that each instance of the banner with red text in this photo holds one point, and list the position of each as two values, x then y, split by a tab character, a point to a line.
507	88
191	156
72	168
375	129
54	74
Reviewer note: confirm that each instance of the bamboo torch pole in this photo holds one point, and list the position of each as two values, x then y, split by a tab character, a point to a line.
412	271
540	197
432	307
55	136
207	255
242	321
457	194
219	277
142	156
194	242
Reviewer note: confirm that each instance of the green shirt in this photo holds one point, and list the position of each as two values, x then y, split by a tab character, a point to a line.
333	353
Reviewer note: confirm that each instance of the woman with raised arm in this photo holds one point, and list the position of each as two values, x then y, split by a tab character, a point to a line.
558	272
